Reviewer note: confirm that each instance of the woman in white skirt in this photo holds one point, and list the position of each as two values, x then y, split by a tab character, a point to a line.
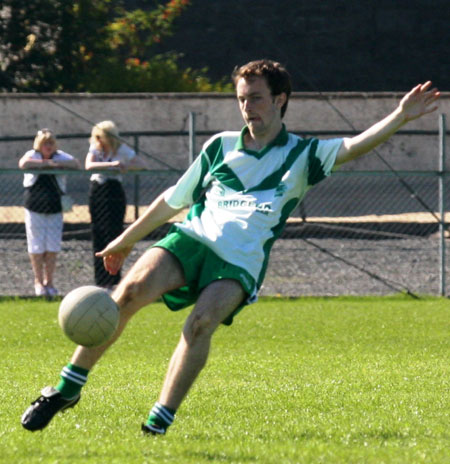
43	211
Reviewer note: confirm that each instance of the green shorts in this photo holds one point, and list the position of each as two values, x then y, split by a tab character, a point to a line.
201	266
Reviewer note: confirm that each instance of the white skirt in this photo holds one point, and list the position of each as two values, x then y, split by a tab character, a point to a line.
44	232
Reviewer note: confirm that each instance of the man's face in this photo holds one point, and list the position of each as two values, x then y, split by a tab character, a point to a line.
259	108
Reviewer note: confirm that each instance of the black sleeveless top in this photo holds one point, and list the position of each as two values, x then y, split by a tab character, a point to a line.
43	196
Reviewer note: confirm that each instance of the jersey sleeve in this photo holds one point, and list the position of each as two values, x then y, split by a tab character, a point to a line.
190	185
188	189
322	158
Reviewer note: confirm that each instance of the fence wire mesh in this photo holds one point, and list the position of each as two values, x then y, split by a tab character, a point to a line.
356	233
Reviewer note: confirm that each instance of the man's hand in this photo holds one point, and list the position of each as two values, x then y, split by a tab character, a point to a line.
114	256
418	101
157	214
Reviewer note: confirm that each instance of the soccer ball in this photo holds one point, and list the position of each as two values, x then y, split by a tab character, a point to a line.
88	316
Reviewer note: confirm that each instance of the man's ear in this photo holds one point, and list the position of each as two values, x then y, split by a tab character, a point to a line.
280	99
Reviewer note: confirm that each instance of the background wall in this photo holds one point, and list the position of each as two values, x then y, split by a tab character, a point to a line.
24	114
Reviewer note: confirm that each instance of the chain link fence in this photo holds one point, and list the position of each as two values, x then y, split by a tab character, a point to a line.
356	233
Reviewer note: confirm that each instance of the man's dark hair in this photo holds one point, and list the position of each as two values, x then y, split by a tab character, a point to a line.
277	78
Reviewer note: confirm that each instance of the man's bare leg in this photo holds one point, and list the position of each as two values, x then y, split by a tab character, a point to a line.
215	303
155	273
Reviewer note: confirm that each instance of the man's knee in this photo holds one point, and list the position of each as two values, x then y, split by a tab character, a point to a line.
129	294
198	326
217	301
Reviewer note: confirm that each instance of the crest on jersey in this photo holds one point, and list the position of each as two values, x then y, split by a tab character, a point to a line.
281	189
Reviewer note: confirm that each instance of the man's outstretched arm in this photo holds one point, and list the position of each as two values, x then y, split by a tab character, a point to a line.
157	214
416	103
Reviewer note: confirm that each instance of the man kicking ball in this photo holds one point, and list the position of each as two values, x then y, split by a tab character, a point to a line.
240	189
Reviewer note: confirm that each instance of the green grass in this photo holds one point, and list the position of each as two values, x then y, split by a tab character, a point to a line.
311	380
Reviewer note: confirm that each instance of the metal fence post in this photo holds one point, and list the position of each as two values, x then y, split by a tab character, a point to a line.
192	148
442	231
136	182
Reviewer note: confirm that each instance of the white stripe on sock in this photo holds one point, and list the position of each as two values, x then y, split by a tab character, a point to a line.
75	374
160	411
163	408
68	376
165	412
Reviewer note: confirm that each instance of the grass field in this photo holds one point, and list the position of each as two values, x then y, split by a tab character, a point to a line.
311	380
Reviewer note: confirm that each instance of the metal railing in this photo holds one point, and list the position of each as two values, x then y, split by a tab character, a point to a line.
360	218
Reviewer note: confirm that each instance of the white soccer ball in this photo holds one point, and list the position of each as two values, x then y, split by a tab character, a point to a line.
88	316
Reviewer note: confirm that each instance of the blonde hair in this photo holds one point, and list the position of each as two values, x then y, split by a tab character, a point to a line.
106	131
42	136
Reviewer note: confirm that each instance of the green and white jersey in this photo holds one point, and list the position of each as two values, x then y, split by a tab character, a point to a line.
241	198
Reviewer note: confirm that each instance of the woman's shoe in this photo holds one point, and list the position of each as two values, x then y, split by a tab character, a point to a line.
40	290
51	291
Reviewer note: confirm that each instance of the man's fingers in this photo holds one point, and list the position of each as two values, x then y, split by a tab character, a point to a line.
416	89
103	253
425	86
113	263
433	94
430	110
